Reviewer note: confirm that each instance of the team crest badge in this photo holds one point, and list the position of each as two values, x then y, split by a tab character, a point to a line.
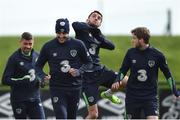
54	54
151	63
91	99
21	63
18	110
134	61
62	23
73	53
55	99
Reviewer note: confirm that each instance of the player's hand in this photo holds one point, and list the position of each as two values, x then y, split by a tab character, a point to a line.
96	32
74	72
115	86
45	81
47	78
177	95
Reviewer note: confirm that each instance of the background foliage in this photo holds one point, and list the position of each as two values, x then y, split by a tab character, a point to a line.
170	46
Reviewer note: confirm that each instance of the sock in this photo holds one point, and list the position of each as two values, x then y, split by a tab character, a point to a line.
109	92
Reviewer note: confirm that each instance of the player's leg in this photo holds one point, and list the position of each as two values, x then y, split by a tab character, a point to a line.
122	85
133	110
109	93
108	77
151	109
19	110
90	95
59	102
152	117
92	112
73	103
35	110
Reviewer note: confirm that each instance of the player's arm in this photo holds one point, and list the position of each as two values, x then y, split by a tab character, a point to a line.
86	59
81	26
104	42
124	67
121	78
42	59
9	77
166	71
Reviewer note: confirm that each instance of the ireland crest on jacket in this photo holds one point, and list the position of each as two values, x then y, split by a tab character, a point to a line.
151	63
73	53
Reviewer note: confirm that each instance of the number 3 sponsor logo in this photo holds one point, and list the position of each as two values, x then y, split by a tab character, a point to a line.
92	50
142	75
65	67
32	74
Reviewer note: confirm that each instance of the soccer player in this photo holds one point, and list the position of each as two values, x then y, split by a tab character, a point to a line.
91	35
68	58
143	61
20	75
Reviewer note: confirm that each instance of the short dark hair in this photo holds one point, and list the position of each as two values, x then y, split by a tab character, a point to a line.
95	11
26	36
142	32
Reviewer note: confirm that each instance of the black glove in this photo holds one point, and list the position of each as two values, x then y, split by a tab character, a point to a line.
95	32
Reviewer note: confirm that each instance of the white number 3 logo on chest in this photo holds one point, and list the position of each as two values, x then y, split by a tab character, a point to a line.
65	67
142	75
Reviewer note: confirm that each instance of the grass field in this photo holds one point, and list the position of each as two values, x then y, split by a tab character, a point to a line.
112	59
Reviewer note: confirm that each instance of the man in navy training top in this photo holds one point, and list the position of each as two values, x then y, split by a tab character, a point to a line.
91	35
20	75
68	59
141	90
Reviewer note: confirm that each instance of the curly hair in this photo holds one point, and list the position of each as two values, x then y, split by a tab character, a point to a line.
142	33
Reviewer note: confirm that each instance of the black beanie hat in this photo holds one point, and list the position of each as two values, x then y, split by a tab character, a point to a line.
62	25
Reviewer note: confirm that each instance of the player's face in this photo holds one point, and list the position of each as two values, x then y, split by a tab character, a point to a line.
95	19
135	41
62	37
26	45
